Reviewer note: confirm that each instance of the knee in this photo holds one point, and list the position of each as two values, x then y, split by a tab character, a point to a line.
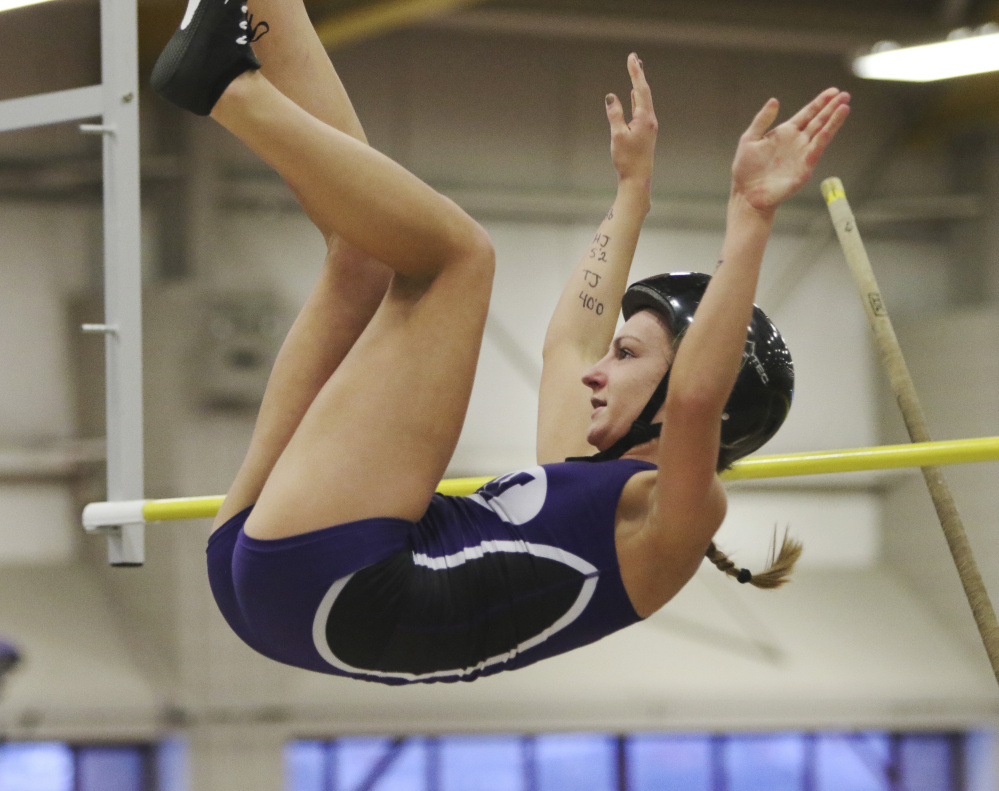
478	253
470	252
466	261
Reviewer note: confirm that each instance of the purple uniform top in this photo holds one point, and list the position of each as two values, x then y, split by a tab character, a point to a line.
524	569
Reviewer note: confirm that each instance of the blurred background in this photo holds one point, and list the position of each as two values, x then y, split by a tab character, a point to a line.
866	673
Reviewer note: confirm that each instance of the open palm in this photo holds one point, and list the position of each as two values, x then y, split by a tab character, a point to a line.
771	166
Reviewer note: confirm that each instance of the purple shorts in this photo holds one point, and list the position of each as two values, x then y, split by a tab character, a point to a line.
269	591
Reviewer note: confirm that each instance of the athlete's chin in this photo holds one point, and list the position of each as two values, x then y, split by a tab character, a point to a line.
599	437
593	438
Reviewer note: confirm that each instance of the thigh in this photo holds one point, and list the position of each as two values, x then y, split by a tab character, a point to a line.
346	295
379	435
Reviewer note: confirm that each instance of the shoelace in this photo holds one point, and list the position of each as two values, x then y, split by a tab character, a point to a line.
253	35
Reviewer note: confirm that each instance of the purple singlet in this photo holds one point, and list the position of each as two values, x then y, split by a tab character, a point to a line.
524	569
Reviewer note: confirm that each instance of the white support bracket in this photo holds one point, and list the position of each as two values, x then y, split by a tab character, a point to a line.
115	102
109	518
99	329
51	108
97	129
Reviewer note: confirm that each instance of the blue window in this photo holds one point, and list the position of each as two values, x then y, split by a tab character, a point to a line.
764	763
852	762
36	766
53	766
385	764
634	762
658	761
355	761
482	763
927	763
110	769
580	761
305	765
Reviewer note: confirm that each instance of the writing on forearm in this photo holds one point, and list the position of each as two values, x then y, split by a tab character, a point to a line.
592	278
590	302
598	251
720	262
610	214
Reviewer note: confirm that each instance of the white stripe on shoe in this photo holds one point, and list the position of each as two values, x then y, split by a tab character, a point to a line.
192	6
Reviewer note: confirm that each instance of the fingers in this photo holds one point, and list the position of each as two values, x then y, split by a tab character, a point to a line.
813	119
839	99
641	97
615	112
763	121
806	114
641	94
823	137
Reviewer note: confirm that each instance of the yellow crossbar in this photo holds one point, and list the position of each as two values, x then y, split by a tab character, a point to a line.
884	457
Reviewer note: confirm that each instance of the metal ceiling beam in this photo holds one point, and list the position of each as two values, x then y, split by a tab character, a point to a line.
815	41
379	18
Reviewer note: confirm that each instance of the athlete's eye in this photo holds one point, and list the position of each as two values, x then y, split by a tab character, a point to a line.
622	353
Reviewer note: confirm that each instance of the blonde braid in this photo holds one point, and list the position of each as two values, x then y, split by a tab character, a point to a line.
778	568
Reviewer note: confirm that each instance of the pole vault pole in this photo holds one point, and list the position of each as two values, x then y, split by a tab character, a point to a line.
912	412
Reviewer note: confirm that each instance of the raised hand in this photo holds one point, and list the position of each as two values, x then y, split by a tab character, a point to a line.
771	166
633	144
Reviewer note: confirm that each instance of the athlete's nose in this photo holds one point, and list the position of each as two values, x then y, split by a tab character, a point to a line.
595	377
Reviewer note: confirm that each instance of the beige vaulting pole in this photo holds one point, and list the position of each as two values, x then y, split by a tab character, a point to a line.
912	413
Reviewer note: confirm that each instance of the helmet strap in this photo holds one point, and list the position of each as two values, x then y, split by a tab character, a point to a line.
641	431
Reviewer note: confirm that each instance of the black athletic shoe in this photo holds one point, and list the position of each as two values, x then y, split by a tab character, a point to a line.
210	50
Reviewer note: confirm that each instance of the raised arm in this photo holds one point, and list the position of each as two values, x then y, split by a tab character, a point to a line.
687	503
585	317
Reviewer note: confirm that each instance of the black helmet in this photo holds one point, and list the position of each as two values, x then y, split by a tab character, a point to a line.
762	394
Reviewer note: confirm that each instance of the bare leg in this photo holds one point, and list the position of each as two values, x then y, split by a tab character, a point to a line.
295	62
345	297
351	284
379	435
370	201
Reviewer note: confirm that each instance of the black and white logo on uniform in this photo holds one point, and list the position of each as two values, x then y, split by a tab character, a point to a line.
517	497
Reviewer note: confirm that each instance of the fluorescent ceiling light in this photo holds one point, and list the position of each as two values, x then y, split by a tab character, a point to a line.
7	5
964	52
